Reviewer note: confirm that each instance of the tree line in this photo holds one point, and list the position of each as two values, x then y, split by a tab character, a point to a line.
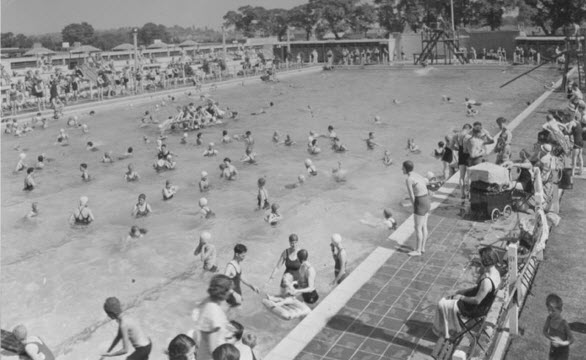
85	34
318	17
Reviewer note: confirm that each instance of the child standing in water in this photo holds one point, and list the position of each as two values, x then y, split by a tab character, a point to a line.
370	143
207	252
311	169
387	160
85	175
557	330
142	208
204	184
273	217
263	195
205	211
169	190
131	175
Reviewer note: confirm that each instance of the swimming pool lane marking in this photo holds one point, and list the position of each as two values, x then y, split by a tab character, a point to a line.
290	346
151	97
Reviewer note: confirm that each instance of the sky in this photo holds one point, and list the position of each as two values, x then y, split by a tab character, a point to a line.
48	16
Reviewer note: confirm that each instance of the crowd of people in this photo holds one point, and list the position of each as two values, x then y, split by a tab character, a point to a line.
560	142
215	336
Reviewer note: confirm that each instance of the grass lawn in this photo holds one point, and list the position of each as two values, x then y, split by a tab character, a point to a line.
563	273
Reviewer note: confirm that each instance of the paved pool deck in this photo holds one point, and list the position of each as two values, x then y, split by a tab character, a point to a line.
390	315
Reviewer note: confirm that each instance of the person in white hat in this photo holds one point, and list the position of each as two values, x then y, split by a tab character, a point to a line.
340	259
204	184
83	214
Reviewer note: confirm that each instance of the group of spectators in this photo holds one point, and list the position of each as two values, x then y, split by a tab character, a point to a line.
561	137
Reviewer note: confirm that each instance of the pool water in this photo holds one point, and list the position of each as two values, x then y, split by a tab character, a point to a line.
55	278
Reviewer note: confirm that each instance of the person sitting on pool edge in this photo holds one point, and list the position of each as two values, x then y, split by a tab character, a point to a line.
83	214
34	347
129	331
142	208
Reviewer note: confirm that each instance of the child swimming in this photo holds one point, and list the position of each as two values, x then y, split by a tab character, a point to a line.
63	138
205	211
131	175
29	180
207	252
276	137
129	153
90	146
34	211
183	140
198	139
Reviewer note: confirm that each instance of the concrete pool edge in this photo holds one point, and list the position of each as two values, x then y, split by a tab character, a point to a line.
148	97
296	340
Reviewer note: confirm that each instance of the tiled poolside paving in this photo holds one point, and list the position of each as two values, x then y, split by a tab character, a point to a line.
391	315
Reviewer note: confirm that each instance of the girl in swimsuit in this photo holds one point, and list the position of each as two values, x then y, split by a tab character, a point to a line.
417	189
82	215
142	208
289	259
273	216
204	184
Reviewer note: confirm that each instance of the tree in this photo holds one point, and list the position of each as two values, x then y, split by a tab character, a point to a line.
395	16
82	33
277	22
249	20
336	14
151	31
488	13
304	17
363	18
552	15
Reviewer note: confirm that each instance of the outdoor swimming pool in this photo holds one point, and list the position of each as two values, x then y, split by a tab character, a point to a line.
55	278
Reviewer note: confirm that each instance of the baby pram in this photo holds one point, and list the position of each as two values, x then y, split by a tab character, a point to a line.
491	192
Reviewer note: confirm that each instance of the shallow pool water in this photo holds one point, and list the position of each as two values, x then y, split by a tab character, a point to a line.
55	278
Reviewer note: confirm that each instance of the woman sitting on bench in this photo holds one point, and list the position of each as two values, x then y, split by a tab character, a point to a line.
470	303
